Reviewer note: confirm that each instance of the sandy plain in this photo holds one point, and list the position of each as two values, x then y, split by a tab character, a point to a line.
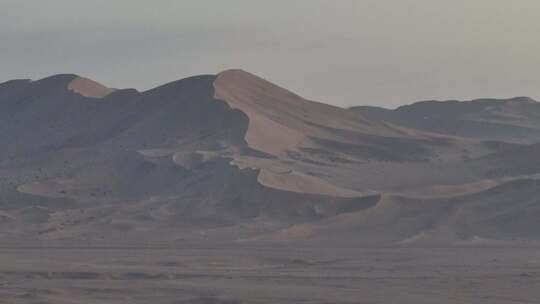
269	273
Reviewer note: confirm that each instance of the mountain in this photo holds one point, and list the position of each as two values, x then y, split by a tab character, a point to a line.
234	157
513	120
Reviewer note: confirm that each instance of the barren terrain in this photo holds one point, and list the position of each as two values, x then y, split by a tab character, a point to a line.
266	273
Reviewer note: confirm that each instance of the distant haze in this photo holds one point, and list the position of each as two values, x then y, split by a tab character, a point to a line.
342	52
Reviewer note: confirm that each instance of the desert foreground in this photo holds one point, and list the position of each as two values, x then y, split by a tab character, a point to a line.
265	273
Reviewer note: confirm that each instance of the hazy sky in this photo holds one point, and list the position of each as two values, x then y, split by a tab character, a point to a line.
343	52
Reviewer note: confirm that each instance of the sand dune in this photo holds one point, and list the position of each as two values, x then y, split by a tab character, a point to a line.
234	157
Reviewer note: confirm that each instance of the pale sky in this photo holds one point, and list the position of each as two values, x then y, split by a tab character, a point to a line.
342	52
